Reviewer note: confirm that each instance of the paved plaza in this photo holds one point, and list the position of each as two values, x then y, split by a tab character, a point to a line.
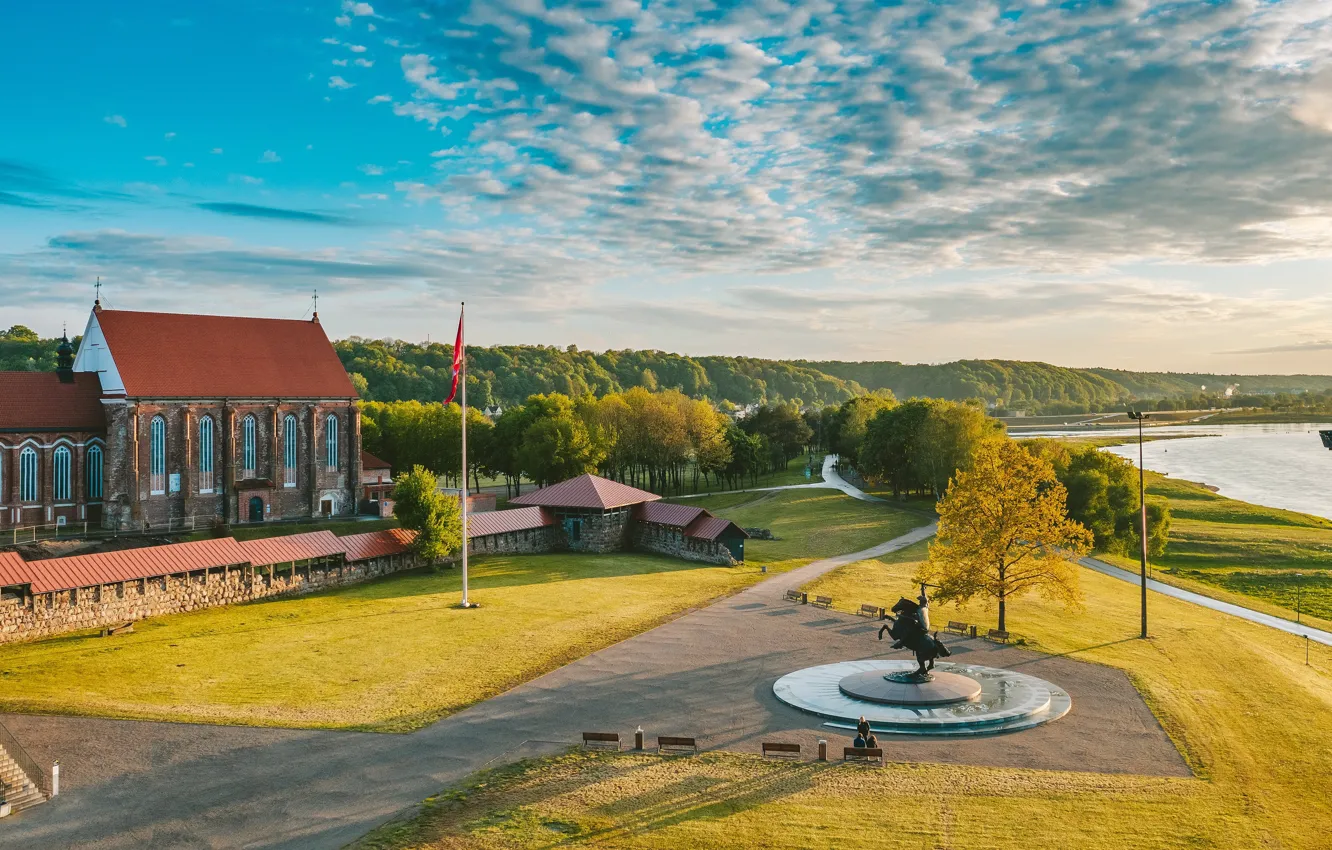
709	673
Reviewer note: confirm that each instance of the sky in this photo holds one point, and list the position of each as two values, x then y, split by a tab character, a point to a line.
1123	183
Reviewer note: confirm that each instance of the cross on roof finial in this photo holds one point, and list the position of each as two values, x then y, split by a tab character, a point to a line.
97	301
315	317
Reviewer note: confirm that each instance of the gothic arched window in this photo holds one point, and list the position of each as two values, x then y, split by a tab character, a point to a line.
205	454
28	475
331	440
92	463
289	450
60	477
247	447
157	456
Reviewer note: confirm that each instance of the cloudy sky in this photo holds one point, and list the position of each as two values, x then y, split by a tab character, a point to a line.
1095	182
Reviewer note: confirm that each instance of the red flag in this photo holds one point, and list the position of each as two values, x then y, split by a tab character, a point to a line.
457	361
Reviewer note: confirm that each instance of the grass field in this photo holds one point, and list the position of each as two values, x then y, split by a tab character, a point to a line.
1252	719
1243	553
810	523
393	654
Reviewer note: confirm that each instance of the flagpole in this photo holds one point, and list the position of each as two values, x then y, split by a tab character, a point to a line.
463	377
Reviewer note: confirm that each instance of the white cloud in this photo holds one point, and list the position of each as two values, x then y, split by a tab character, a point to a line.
356	48
216	150
270	156
342	63
373	196
372	170
380	98
246	179
360	10
118	120
336	82
365	63
156	160
169	136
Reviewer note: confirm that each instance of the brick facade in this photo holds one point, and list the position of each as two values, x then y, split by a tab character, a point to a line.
46	509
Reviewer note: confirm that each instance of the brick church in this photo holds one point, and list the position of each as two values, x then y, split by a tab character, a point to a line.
163	420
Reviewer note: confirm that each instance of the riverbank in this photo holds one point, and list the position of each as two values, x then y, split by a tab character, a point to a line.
1272	560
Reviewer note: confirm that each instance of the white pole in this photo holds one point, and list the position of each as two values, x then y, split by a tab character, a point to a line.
463	377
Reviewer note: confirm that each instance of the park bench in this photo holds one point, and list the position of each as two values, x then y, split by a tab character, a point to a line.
822	601
868	755
123	628
867	610
797	596
777	749
956	628
668	743
996	635
601	740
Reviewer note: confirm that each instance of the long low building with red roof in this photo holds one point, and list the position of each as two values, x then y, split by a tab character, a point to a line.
56	595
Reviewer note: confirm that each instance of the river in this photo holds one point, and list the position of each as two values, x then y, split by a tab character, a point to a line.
1280	466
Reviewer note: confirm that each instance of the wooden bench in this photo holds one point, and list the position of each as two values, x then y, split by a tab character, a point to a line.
777	749
797	596
956	628
667	743
868	755
996	635
822	601
123	628
867	610
601	740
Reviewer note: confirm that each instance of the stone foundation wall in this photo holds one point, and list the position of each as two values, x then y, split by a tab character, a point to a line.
608	532
45	614
532	541
669	540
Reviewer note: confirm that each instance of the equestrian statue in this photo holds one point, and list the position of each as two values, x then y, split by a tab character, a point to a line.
910	629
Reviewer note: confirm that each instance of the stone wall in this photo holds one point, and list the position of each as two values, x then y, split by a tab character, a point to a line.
599	532
671	540
45	614
531	541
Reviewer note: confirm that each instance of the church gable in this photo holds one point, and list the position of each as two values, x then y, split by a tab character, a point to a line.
170	355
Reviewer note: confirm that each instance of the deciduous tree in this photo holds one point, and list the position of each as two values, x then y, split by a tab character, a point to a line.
435	517
1004	531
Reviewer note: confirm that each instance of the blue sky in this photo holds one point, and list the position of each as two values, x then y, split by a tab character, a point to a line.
1131	183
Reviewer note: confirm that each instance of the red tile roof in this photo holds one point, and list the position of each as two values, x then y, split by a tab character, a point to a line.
369	461
502	522
664	514
129	564
157	355
586	491
13	569
292	547
39	401
376	544
711	527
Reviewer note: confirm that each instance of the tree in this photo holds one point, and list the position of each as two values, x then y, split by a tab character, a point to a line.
435	517
556	448
1004	531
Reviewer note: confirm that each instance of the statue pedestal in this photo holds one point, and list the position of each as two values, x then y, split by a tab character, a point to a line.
904	688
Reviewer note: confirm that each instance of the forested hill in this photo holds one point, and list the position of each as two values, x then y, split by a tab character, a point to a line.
507	374
392	370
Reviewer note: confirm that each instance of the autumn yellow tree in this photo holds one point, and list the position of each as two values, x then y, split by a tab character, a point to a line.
1004	531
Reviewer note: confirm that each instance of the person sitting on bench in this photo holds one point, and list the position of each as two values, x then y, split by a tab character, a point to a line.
871	741
859	742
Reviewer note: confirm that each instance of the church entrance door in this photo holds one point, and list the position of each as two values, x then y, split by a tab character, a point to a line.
256	509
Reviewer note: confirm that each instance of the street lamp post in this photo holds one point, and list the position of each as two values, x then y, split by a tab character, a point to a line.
1142	505
1299	592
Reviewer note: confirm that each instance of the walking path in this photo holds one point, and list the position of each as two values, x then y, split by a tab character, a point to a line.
1316	635
832	480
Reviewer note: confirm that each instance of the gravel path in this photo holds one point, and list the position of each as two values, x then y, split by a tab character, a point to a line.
709	674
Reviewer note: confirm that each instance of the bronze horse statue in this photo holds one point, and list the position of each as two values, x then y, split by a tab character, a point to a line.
910	629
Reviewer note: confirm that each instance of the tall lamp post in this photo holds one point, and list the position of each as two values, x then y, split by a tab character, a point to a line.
1142	504
1299	591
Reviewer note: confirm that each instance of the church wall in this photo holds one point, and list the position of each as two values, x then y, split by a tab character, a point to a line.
46	510
133	504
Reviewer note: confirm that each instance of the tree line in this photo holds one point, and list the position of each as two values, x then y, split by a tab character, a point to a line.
660	441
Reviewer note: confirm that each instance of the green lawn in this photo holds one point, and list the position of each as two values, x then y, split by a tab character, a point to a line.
809	523
393	654
1250	717
1243	553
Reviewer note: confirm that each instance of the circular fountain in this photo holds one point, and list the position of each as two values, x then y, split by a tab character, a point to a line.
956	699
